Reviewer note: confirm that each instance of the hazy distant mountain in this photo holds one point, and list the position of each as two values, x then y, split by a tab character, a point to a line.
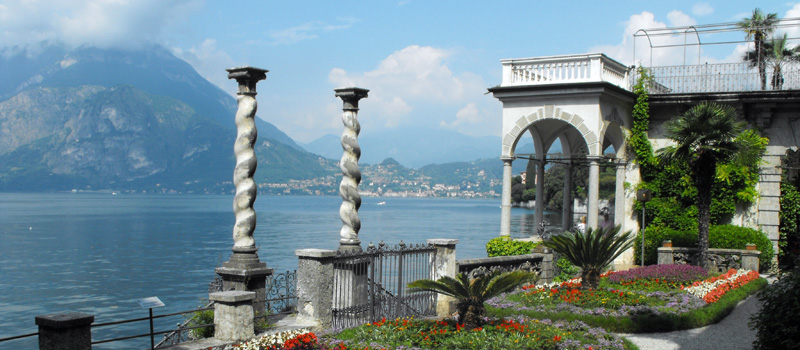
413	148
112	119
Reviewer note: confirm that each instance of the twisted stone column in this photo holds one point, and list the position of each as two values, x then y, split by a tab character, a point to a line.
246	163
244	271
348	188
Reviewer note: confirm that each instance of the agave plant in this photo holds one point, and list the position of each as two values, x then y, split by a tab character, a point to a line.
470	294
592	251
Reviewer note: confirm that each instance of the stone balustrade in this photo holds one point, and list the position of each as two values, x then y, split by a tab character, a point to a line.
565	69
541	263
720	260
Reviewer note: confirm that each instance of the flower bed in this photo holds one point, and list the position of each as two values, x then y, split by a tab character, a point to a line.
712	289
511	333
658	277
639	300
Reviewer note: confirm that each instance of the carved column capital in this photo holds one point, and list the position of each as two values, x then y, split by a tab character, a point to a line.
247	77
350	96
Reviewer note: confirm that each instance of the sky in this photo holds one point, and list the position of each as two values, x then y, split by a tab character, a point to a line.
427	64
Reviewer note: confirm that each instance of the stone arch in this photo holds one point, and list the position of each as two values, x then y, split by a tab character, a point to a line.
551	112
614	134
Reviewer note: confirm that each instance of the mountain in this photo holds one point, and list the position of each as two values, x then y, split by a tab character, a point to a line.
413	148
138	120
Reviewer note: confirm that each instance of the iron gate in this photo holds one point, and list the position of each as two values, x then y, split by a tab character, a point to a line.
371	285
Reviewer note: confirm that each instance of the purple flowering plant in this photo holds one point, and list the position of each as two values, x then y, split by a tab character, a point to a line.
657	277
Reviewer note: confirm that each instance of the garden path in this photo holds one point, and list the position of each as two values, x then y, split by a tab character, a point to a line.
732	333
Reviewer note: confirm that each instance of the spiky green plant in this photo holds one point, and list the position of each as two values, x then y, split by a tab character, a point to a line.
592	251
470	294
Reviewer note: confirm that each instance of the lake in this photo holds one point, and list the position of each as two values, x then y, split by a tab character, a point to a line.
99	253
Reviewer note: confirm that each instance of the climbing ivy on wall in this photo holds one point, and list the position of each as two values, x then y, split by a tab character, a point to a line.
638	141
674	194
789	242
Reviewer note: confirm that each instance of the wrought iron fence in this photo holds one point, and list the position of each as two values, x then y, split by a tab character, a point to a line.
371	285
281	292
720	77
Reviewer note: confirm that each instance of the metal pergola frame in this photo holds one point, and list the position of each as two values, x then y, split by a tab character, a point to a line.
705	30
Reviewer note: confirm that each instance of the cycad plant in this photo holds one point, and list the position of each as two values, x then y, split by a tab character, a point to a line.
470	294
592	251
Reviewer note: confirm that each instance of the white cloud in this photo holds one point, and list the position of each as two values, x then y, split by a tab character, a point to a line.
702	9
655	49
308	31
467	115
793	31
210	62
28	24
413	85
680	19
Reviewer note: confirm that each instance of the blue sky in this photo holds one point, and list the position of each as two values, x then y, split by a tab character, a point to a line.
427	63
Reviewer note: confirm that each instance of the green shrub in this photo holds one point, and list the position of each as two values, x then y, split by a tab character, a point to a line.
776	322
790	224
566	271
200	318
669	212
737	237
654	235
719	236
505	246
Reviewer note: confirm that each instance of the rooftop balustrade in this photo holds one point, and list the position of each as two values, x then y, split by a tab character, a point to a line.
703	78
565	69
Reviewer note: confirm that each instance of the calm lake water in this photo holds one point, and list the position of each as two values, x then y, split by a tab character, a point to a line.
99	253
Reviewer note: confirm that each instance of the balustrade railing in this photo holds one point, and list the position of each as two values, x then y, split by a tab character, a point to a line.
720	77
564	69
703	78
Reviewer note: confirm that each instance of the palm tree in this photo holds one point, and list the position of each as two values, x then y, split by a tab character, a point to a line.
777	55
592	252
471	294
705	135
758	27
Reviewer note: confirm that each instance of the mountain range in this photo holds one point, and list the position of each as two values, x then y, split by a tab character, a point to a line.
145	120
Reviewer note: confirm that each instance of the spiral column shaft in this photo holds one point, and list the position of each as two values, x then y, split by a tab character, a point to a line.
351	176
246	162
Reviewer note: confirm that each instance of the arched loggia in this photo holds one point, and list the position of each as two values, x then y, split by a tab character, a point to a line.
545	126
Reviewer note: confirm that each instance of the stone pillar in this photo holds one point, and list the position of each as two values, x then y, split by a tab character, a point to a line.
539	212
315	287
619	197
665	256
233	315
750	259
65	331
244	271
594	194
548	267
505	203
566	217
444	264
348	188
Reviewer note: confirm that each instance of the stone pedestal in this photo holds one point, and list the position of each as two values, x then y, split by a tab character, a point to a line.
314	290
351	288
245	272
750	259
444	264
233	315
65	331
